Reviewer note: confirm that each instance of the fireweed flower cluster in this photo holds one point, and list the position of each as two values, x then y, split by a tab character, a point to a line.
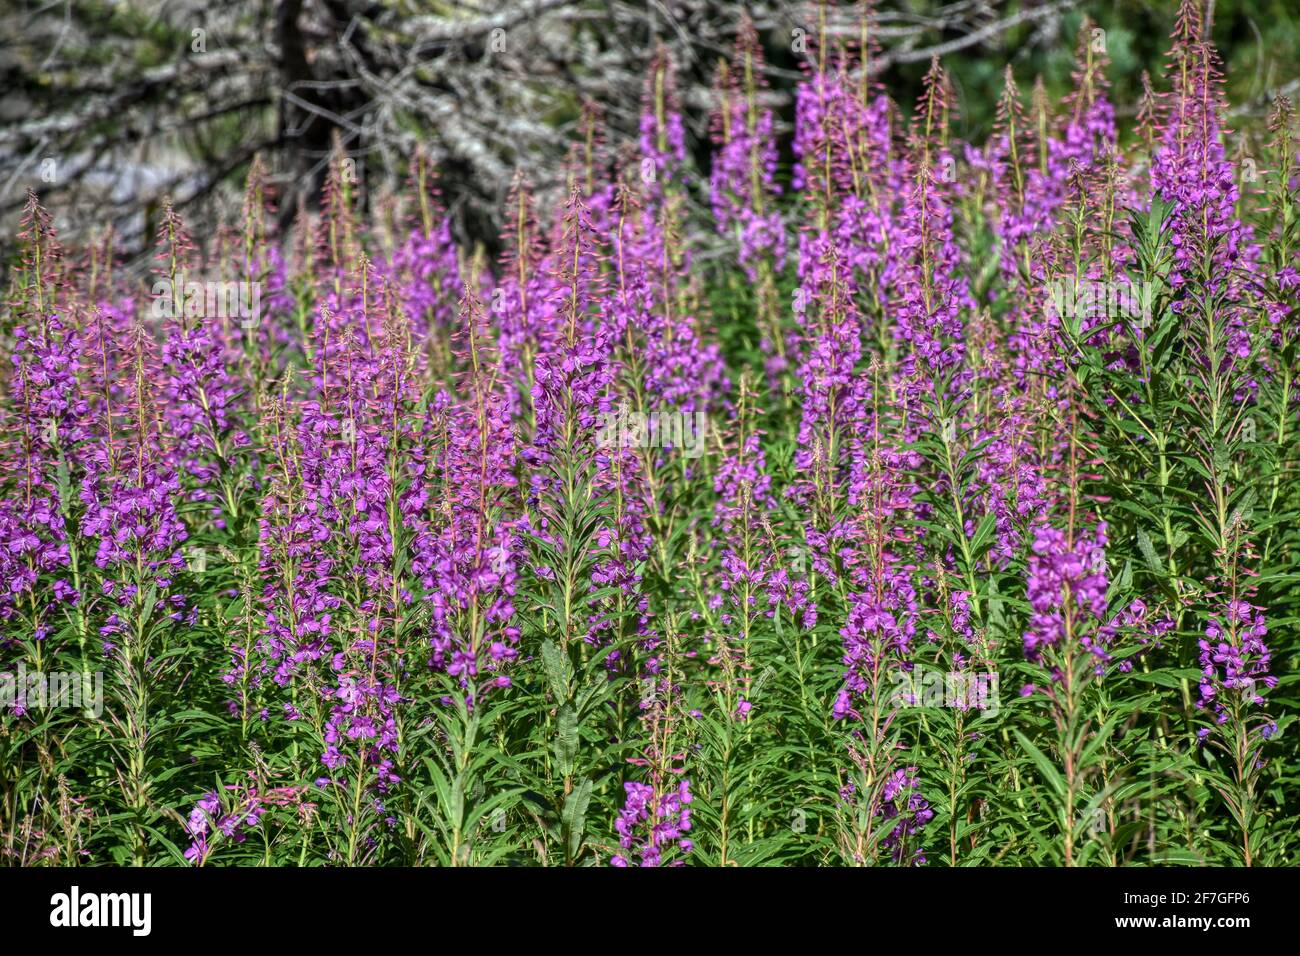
374	555
1067	592
663	137
648	824
206	818
471	564
212	820
130	492
1190	169
654	824
1236	665
1234	657
48	413
742	185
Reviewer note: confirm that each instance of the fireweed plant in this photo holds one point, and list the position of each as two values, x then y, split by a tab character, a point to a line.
916	502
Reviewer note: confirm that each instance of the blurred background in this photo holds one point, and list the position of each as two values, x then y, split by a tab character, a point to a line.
109	106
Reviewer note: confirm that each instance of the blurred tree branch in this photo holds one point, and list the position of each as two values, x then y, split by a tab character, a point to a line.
137	99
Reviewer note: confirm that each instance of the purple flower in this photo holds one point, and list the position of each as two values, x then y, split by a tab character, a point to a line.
652	826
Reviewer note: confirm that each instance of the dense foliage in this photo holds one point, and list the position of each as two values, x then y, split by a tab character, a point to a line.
932	503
